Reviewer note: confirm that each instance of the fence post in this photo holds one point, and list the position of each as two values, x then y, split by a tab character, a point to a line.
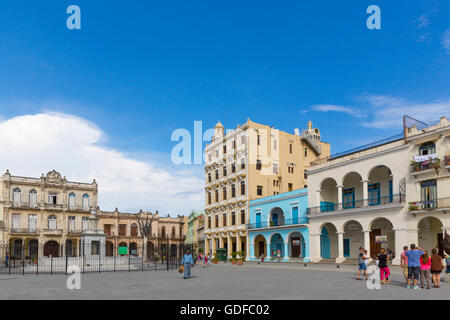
129	258
114	257
51	264
67	258
23	260
37	260
82	258
99	258
142	257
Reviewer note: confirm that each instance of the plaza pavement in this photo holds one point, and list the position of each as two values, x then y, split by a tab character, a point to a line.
222	281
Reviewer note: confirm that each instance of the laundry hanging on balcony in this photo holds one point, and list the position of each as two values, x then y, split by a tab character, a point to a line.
424	158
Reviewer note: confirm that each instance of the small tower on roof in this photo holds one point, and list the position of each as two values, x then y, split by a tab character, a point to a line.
219	130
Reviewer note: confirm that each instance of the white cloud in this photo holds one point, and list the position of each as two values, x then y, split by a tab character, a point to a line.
333	108
387	112
422	21
445	40
34	144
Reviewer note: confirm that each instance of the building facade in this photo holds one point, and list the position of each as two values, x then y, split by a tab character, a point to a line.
123	233
388	194
47	212
278	227
193	219
247	163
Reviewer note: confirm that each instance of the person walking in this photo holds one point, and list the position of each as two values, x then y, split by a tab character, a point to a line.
362	266
413	255
383	259
436	268
404	263
425	264
187	262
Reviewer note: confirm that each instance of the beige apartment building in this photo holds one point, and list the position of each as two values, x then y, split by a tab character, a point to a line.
247	163
45	213
52	216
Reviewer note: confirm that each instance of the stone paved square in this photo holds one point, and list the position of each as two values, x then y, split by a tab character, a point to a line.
222	281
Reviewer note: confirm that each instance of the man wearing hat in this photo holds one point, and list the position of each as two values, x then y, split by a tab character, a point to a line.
187	263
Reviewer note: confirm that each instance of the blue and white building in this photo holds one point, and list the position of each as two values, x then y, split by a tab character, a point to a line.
278	227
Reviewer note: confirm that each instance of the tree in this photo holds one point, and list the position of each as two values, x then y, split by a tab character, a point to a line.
145	226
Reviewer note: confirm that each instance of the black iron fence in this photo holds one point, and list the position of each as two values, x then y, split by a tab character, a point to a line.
23	256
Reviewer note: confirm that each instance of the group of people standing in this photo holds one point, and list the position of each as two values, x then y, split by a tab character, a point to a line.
415	262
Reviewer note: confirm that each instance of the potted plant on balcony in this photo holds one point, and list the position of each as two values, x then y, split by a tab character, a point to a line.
415	165
436	164
272	223
233	257
447	160
413	206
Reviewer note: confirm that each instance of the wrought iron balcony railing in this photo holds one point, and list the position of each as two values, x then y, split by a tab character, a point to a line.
430	204
279	223
353	204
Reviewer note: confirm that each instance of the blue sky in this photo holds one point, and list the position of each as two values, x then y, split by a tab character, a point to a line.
138	70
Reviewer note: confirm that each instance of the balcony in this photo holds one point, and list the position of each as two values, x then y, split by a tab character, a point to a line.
24	205
78	208
441	203
339	207
53	206
281	223
74	231
26	231
425	164
53	232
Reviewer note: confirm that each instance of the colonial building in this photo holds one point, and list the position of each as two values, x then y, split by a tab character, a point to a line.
278	227
123	233
387	194
247	163
193	225
52	216
45	212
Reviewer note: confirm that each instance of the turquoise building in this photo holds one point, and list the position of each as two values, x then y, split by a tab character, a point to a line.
278	227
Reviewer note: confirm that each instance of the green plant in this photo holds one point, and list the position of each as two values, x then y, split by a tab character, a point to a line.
272	223
436	164
413	206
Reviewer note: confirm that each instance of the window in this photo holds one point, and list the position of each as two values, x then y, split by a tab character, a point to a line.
85	203
306	152
15	221
209	197
209	177
233	167
290	148
259	190
32	222
217	153
134	230
234	144
16	195
224	193
209	222
233	218
209	157
163	232
217	174
107	229
275	168
71	221
290	186
217	221
427	148
224	220
216	195
52	198
374	194
85	224
258	139
233	190
122	230
52	223
305	174
428	191
224	171
258	164
243	139
242	187
72	200
274	144
242	216
33	198
173	232
348	198
224	149
95	247
242	163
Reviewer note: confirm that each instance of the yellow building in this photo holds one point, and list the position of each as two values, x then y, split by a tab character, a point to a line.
247	163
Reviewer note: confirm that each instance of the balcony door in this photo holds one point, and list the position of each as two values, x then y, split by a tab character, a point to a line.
348	198
374	194
428	194
294	215
32	222
258	220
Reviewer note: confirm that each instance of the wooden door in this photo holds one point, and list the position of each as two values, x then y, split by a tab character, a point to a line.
374	247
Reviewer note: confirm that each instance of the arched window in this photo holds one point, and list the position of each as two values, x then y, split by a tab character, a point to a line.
33	198
72	200
16	195
427	148
86	202
52	223
173	232
163	232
